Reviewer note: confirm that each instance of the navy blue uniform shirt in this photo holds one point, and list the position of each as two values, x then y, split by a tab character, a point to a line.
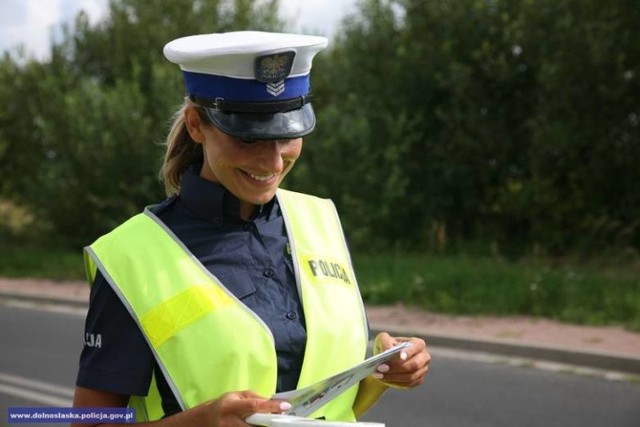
251	258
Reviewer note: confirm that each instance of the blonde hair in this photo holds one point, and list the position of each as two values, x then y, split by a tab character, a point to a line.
182	150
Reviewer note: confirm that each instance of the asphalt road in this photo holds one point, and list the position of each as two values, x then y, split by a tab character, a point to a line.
39	353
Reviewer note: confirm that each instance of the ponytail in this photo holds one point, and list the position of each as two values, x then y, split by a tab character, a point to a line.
182	151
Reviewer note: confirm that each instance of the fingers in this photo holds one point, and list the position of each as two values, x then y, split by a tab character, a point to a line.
409	368
407	374
243	406
231	409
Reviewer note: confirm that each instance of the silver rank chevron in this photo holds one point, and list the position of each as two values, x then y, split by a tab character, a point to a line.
276	88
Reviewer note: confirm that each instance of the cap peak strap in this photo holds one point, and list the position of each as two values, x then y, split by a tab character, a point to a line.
262	107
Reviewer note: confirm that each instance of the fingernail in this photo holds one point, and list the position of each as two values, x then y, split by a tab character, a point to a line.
403	355
383	368
377	375
284	406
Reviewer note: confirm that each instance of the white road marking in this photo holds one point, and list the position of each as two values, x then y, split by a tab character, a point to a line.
40	306
36	391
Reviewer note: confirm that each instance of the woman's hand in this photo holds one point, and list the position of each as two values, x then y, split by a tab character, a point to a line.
407	369
231	409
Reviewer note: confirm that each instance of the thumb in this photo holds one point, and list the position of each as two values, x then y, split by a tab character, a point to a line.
383	342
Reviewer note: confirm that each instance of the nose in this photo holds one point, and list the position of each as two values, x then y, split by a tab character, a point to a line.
271	155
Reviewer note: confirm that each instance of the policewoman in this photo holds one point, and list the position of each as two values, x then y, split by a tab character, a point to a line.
231	289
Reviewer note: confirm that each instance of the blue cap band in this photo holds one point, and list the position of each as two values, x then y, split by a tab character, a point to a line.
211	87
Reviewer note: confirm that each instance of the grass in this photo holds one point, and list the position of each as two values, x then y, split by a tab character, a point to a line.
592	293
41	263
580	293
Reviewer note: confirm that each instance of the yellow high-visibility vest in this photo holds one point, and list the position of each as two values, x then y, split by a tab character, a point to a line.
205	340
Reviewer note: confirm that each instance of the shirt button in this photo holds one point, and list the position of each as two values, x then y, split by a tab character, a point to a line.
268	272
247	226
291	315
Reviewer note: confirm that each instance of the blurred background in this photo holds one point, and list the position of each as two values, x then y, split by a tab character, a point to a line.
484	155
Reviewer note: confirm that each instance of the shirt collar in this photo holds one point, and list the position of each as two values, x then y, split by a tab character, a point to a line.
212	201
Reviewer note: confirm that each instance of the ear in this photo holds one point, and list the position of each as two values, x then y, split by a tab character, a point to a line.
194	124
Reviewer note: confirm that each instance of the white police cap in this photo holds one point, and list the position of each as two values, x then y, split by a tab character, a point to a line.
253	85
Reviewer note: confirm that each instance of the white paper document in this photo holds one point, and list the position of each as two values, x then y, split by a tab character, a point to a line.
309	399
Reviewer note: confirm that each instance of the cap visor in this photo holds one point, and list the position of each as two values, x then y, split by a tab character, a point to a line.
246	126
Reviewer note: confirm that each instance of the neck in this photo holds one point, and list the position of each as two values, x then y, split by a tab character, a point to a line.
247	210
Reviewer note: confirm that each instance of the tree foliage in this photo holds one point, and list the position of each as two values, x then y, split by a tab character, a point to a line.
510	122
507	121
81	134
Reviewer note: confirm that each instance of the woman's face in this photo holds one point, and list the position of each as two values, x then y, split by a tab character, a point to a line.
250	171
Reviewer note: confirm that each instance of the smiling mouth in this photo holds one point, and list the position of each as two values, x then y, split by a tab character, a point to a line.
262	178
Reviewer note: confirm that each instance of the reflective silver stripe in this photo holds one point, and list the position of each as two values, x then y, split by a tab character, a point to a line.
292	246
